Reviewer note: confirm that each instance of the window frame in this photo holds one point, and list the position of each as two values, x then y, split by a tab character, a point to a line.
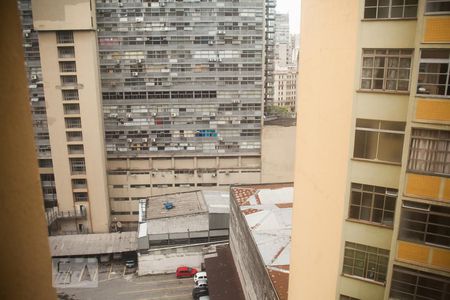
365	54
429	165
359	253
418	285
390	6
422	61
379	131
427	12
427	211
373	193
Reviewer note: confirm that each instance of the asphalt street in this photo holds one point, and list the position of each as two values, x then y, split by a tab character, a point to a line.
131	287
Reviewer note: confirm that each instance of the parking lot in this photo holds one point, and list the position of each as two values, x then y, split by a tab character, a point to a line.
114	283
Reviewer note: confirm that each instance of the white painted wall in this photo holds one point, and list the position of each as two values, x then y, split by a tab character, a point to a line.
167	260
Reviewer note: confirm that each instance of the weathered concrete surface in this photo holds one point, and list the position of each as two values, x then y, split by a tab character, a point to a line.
167	260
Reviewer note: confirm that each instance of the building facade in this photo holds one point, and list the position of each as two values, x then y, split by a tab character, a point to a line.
285	87
386	91
282	41
143	98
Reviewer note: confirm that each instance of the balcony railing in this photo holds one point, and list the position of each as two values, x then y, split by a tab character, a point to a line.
54	214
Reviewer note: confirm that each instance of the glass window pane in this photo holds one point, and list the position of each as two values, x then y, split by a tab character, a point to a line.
390	148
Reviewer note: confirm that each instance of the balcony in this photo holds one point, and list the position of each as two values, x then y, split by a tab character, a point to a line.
55	214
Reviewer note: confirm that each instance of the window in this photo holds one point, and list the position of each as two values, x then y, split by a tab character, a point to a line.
425	223
45	163
80	196
386	70
374	204
365	261
75	149
74	136
67	66
77	165
379	140
429	151
390	9
434	73
438	6
70	109
73	122
414	284
68	79
66	52
79	183
64	37
70	94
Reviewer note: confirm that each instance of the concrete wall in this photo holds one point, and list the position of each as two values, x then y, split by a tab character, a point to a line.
277	154
64	14
253	275
324	133
167	260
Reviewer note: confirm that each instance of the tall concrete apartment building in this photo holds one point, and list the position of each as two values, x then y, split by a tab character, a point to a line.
140	98
269	51
282	41
371	215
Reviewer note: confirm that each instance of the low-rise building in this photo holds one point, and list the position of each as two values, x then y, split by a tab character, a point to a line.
260	238
175	229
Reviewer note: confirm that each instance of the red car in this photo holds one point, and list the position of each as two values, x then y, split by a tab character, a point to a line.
185	272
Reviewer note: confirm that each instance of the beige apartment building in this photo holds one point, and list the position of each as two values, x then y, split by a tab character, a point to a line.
371	214
69	62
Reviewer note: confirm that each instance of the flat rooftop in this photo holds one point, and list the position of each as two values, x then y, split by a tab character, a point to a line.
187	203
92	244
267	209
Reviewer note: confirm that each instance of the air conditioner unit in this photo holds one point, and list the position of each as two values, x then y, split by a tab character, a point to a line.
120	4
212	114
174	114
236	101
214	175
153	140
34	77
34	99
134	74
26	34
162	4
211	42
144	140
139	19
129	140
154	114
113	115
128	115
219	60
140	61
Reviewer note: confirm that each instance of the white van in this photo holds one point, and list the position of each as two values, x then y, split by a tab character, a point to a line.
200	276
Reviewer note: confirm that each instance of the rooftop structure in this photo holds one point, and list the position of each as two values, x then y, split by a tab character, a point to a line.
260	237
92	244
187	203
183	218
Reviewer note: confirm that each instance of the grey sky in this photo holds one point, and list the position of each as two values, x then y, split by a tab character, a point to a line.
293	8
